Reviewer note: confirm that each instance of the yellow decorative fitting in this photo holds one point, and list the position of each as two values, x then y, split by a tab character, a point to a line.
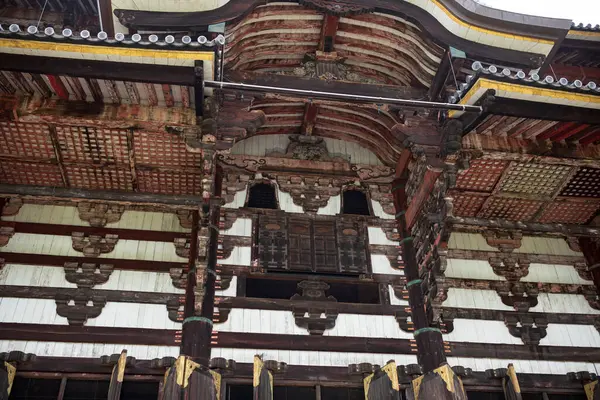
366	384
184	368
217	381
121	366
392	372
512	374
258	366
11	371
447	375
590	388
416	384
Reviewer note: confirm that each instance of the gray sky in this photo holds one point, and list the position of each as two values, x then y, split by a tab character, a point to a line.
585	11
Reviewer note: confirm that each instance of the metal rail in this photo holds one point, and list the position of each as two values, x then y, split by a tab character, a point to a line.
356	98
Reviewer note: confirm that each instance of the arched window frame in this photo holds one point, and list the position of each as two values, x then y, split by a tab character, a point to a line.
262	181
358	188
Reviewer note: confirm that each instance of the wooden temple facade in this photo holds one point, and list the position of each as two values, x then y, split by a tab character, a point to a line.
394	199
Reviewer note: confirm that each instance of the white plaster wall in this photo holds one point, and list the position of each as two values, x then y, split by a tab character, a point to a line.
471	269
381	265
377	236
240	255
241	227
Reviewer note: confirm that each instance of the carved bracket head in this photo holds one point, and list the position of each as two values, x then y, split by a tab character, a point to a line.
410	370
222	365
182	247
178	277
222	310
94	245
185	218
232	184
520	296
276	367
175	309
113	359
6	232
86	275
362	369
309	193
573	243
17	357
162	363
100	214
79	308
530	330
510	266
581	376
505	241
227	220
12	206
315	318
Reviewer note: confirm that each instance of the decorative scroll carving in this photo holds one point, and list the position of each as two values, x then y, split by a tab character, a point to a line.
530	330
79	308
178	277
86	275
519	296
233	183
505	241
310	193
185	218
94	245
452	132
383	195
309	317
418	168
182	247
573	243
175	310
246	163
373	172
12	206
100	214
236	120
510	266
6	232
338	8
309	148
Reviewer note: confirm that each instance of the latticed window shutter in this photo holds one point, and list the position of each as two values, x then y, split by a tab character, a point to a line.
262	381
352	246
383	384
300	249
272	242
325	247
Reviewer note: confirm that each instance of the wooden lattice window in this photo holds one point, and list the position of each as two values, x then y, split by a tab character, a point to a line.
297	243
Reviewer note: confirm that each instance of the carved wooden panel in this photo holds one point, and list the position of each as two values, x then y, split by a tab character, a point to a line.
272	242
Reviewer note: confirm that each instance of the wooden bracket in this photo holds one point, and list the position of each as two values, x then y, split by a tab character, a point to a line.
6	232
94	245
520	296
175	309
17	357
87	275
362	369
100	214
12	206
505	241
530	330
309	317
182	247
178	277
79	308
510	266
222	365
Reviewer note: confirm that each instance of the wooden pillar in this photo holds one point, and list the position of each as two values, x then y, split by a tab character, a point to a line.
116	378
510	382
262	381
383	384
439	380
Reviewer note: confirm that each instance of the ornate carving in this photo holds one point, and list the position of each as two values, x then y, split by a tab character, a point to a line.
182	247
510	266
100	214
452	132
178	277
86	275
505	241
246	163
390	228
332	69
338	8
77	309
581	376
94	245
12	206
232	184
6	232
310	317
418	168
520	296
185	218
383	195
175	310
310	193
373	172
573	243
200	287
310	148
530	330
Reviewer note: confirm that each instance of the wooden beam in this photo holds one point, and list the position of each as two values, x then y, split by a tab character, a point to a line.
106	14
117	263
117	197
67	230
310	117
328	33
99	69
545	111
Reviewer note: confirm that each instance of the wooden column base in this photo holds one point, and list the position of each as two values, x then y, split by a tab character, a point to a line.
440	384
189	380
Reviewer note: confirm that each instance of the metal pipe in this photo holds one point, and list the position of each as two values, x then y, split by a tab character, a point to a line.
357	98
